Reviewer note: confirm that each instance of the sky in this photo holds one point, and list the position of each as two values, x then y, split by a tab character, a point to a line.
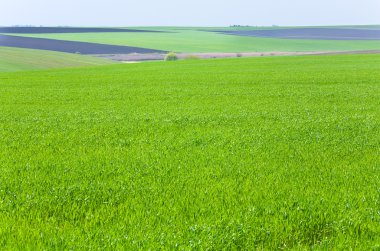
188	13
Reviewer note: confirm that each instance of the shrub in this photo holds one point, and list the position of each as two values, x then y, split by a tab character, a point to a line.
191	57
171	56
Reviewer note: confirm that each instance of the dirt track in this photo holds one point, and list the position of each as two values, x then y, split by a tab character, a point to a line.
160	56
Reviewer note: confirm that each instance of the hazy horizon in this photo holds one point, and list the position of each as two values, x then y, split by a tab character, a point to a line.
184	26
195	13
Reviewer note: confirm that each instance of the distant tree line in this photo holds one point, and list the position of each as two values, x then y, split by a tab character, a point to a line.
238	25
30	25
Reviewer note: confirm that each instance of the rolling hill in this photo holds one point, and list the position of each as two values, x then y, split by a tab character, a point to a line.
15	59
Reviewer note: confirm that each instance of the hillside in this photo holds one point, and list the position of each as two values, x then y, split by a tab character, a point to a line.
15	59
231	154
195	40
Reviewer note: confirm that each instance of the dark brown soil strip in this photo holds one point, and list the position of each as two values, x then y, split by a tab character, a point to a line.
310	33
70	46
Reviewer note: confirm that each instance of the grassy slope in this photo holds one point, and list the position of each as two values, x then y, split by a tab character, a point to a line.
241	153
15	59
185	40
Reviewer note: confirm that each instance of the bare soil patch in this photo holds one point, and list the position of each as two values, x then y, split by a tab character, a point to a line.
310	33
70	46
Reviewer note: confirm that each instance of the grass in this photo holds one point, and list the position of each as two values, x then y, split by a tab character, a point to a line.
244	154
16	59
193	40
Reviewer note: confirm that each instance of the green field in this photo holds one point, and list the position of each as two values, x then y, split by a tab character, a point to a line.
194	40
232	154
16	59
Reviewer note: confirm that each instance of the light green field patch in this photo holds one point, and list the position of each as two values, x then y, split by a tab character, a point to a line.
16	59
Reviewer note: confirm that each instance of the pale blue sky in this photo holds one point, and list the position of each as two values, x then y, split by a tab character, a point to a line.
188	13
